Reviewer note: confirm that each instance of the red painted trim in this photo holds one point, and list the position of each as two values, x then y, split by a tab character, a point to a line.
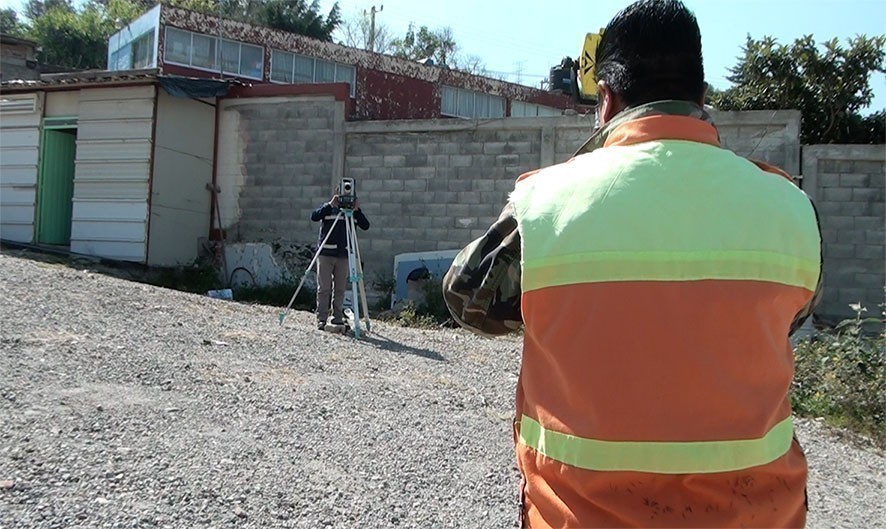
215	234
551	99
385	96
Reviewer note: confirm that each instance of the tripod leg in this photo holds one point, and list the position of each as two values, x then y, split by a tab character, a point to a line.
304	276
362	287
352	271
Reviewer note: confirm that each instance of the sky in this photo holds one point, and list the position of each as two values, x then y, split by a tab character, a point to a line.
527	37
520	40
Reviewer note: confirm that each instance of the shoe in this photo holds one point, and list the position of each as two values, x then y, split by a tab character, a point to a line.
321	324
337	321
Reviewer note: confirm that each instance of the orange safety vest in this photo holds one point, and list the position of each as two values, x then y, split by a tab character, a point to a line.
660	276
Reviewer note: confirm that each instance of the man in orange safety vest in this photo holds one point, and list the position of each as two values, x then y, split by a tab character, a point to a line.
680	417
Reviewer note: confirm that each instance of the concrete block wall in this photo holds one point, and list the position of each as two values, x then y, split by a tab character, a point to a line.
438	184
772	136
425	185
847	184
277	160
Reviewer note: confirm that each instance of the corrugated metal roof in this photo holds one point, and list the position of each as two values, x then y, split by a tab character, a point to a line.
94	78
82	78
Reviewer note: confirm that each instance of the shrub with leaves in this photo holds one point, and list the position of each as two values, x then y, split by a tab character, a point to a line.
841	376
829	86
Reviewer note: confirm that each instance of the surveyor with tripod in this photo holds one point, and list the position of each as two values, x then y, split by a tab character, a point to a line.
332	261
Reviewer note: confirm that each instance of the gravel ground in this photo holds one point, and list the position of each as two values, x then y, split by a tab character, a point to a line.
127	405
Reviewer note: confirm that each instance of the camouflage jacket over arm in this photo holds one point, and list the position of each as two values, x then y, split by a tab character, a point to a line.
482	287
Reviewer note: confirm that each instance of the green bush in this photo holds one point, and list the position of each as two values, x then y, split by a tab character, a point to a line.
411	316
841	376
430	313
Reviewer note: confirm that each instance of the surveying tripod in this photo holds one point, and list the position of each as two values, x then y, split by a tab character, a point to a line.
355	270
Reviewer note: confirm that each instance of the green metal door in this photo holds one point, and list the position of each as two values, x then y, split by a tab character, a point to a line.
55	188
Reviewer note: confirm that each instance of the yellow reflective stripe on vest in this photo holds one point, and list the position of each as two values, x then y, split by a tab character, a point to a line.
664	211
670	266
657	457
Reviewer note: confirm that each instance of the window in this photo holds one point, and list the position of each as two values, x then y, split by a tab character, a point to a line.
143	51
345	74
135	55
231	57
120	58
251	61
324	72
202	51
463	103
521	109
178	46
281	66
298	69
304	69
449	101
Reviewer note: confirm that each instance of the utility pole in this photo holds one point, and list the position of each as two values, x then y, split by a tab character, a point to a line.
372	13
218	46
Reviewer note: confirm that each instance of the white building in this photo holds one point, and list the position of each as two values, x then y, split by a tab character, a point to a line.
108	164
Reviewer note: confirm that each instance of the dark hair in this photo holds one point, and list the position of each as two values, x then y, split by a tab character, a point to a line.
651	51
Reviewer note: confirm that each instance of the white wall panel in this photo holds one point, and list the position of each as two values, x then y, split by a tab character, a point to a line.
119	250
26	137
62	104
110	109
109	190
18	196
114	129
111	169
19	156
17	214
17	175
105	150
180	202
110	210
114	139
101	230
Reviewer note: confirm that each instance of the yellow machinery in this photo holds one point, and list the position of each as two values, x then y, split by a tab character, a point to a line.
579	79
587	68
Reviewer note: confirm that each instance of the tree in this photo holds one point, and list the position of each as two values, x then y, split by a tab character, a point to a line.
355	32
295	16
712	94
438	45
10	24
78	39
34	9
828	87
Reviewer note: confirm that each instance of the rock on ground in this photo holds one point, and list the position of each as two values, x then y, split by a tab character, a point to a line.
127	405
